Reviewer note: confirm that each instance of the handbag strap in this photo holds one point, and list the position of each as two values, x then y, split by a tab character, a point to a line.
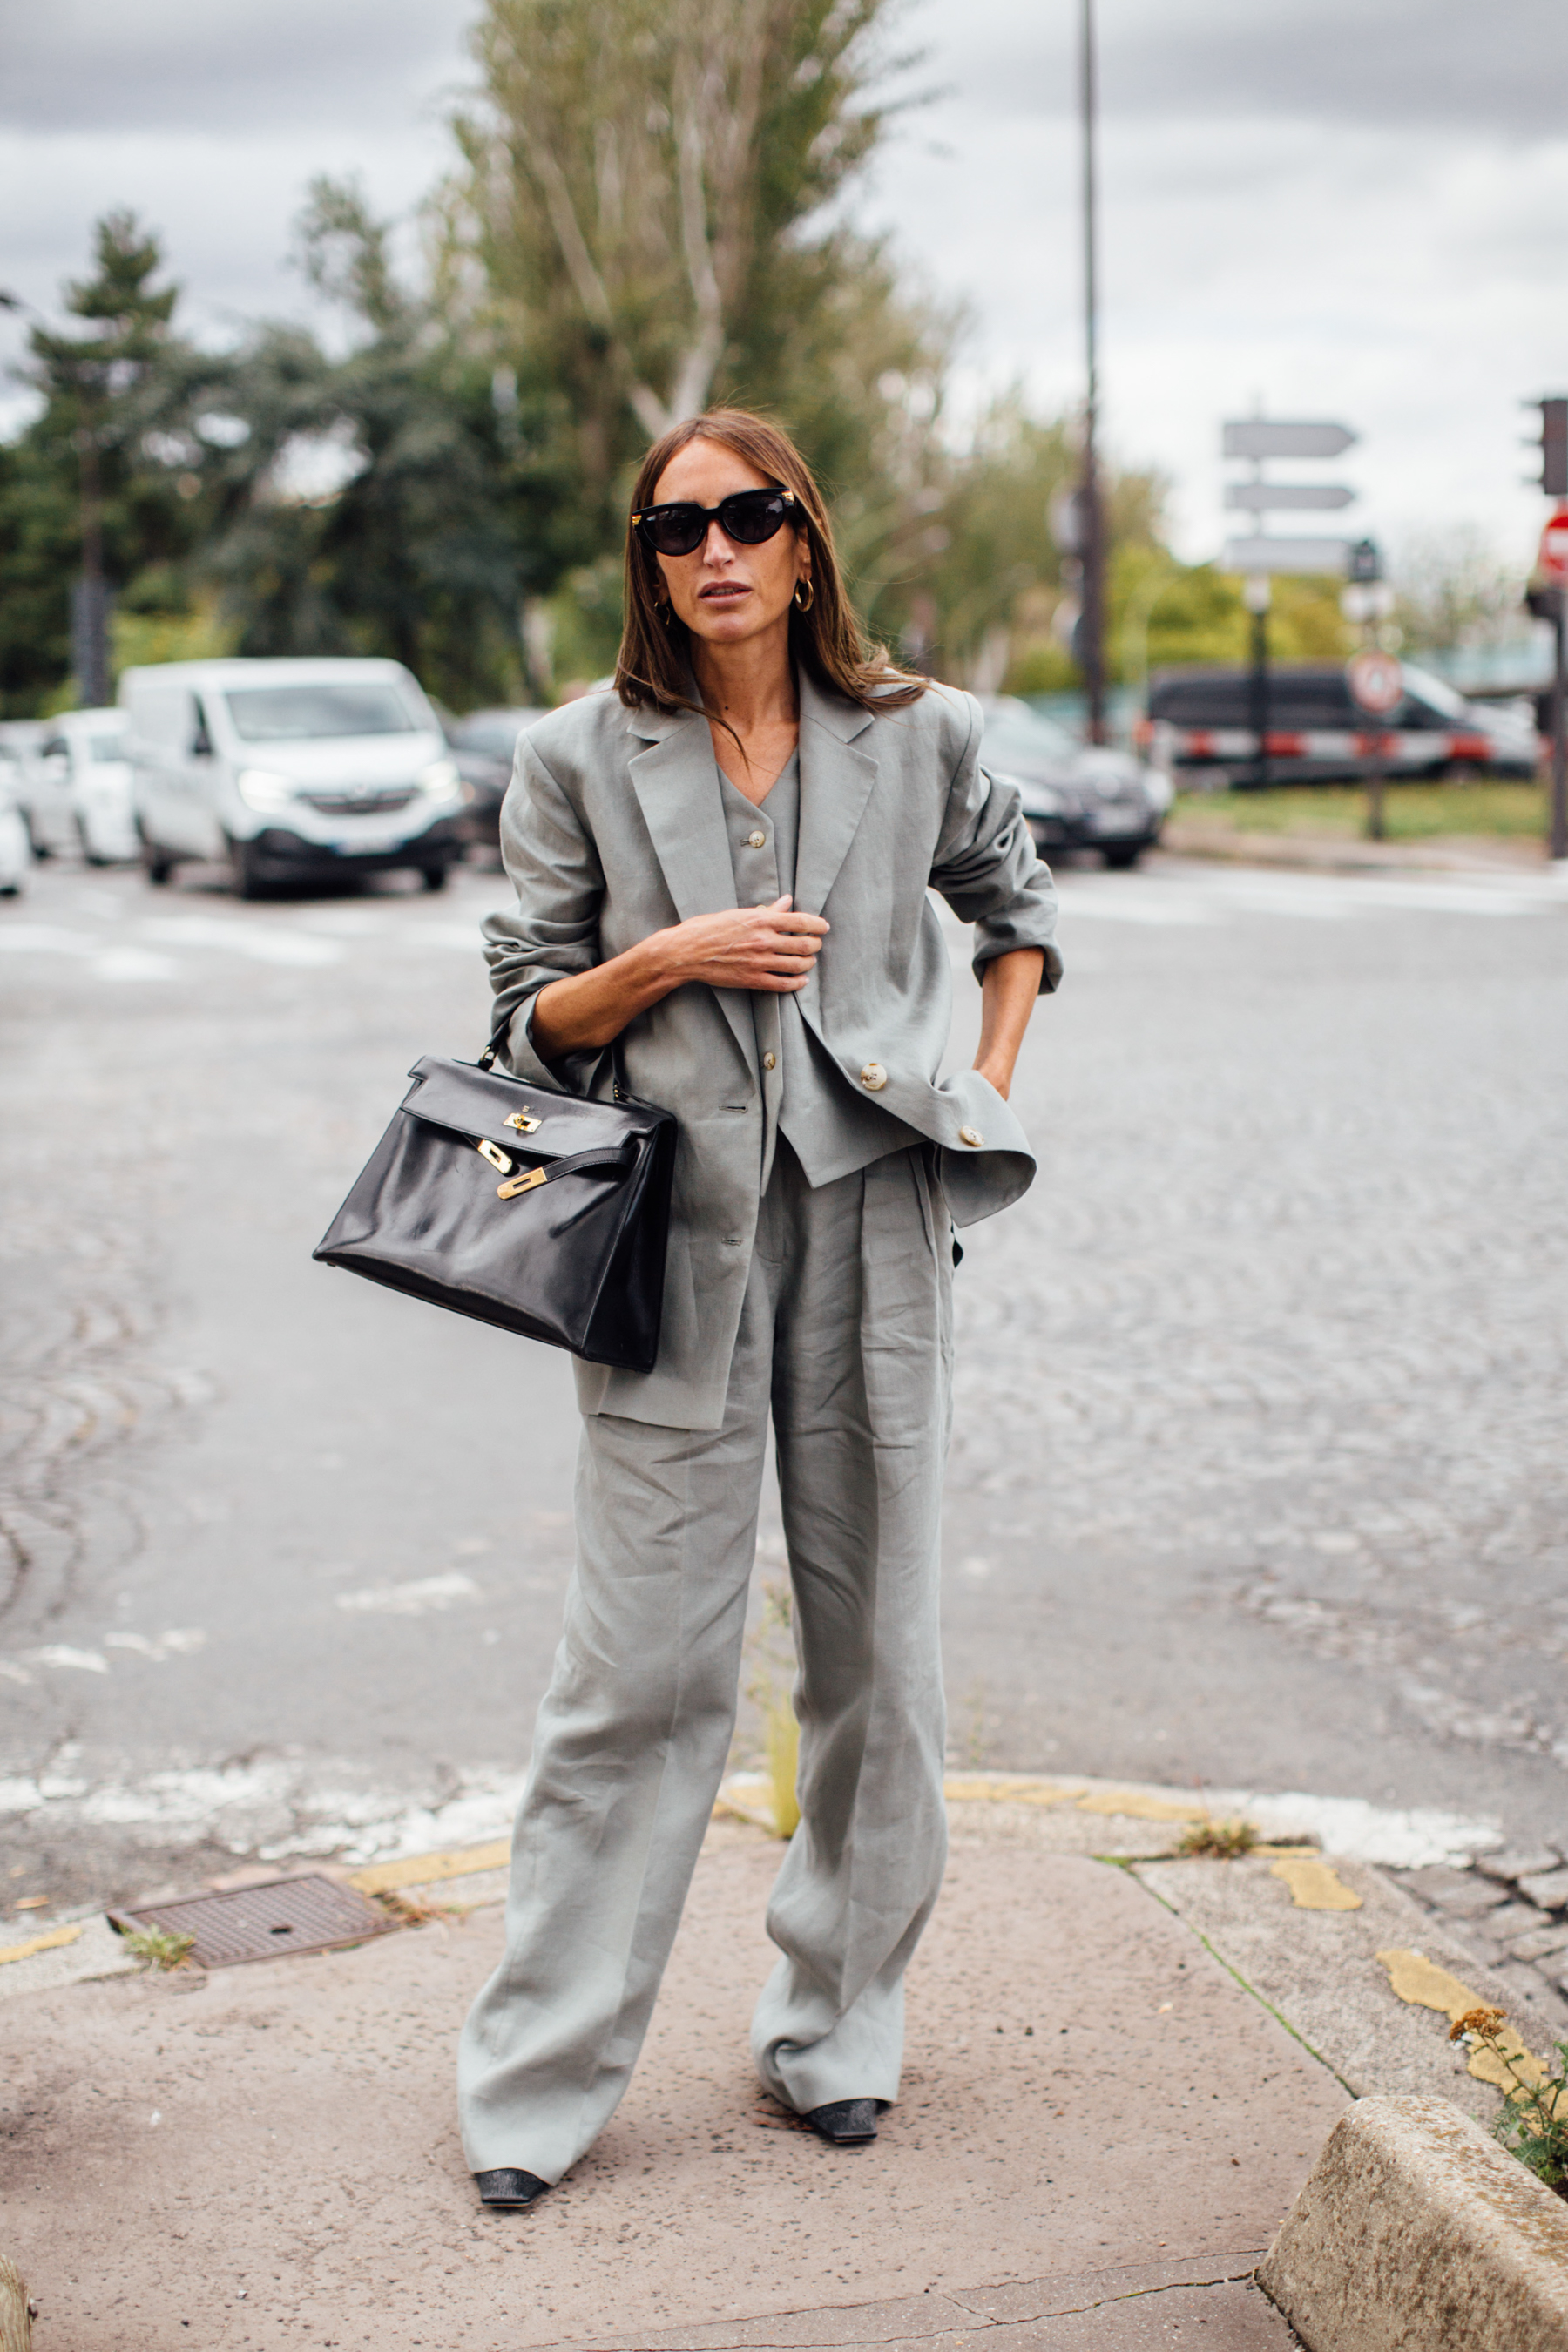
621	1092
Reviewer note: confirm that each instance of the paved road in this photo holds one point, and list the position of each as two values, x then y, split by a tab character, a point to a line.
1258	1475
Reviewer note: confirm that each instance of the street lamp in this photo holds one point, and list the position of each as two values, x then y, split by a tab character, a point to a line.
1091	551
90	592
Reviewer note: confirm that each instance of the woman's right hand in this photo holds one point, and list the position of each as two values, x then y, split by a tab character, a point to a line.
770	948
767	947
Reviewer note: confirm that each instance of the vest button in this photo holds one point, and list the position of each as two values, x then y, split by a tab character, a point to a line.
970	1135
756	841
769	1060
874	1077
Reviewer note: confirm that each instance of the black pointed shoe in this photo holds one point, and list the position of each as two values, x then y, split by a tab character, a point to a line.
844	2123
509	2190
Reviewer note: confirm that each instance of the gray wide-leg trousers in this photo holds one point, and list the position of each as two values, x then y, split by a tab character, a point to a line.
846	1337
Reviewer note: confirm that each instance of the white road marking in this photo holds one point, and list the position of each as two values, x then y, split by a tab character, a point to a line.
179	1642
413	1599
263	943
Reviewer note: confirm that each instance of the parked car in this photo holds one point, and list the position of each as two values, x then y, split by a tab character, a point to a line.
484	745
1074	796
76	788
1200	724
15	848
291	770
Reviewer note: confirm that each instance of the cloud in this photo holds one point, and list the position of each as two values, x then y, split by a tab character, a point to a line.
247	65
1404	65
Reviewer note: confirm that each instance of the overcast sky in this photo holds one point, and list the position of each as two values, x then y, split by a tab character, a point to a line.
1342	208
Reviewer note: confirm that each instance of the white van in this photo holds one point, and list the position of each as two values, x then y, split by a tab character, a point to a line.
291	770
76	788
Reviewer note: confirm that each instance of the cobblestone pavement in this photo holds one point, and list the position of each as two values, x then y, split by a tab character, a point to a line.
1258	1472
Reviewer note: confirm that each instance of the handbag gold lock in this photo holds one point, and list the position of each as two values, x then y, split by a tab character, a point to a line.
495	1155
520	1184
524	1122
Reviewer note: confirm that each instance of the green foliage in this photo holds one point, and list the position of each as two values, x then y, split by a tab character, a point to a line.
1218	1840
441	519
1533	2124
161	1948
1412	812
115	433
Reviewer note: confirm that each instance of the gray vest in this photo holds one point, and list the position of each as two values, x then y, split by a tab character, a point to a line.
805	1096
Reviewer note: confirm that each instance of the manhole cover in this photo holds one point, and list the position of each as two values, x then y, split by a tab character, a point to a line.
258	1923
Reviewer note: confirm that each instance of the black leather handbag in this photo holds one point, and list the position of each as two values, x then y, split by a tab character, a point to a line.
546	1213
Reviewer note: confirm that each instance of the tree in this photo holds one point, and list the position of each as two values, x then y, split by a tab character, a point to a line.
642	221
100	485
393	500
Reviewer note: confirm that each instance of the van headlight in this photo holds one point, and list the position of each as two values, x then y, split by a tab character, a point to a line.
440	781
259	789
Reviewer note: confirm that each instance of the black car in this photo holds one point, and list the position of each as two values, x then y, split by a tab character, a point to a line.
1201	723
483	746
1074	796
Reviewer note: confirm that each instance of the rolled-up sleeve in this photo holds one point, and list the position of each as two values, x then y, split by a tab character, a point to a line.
988	870
554	930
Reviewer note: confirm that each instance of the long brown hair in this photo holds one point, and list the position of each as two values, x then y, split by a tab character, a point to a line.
828	641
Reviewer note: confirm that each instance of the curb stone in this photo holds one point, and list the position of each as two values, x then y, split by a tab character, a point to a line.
1416	2230
1321	1972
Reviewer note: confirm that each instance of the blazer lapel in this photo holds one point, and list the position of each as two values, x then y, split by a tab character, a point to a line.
836	782
677	788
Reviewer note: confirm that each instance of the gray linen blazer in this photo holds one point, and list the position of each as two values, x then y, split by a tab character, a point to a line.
614	828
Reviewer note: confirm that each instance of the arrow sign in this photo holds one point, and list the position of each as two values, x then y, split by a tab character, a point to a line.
1262	554
1259	497
1259	437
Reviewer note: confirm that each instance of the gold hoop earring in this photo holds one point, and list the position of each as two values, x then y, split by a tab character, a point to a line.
803	603
663	608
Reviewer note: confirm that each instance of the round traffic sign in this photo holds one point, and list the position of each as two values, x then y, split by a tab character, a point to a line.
1376	683
1554	546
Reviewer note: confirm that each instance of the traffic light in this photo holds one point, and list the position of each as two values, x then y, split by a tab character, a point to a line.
1553	445
1365	561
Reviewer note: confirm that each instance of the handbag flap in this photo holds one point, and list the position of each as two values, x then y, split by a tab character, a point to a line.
471	1102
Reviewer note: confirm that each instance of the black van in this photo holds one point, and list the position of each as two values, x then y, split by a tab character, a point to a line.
1200	723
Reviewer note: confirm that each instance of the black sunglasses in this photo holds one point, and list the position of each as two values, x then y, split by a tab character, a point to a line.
749	517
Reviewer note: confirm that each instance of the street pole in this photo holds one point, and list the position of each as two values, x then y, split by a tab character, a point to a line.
1559	730
91	631
1256	594
1092	627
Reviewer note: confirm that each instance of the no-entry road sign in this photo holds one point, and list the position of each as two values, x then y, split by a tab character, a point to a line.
1554	556
1376	683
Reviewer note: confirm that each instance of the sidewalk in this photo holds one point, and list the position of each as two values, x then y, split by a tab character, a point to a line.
1196	836
1100	2129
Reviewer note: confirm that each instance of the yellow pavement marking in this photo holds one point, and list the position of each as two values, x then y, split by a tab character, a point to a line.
49	1943
975	1789
1132	1805
1314	1884
423	1869
1417	1979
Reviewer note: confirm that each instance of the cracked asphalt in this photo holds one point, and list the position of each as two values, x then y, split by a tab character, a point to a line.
1258	1476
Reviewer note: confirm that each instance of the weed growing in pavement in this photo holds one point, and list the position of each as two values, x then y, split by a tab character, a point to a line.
769	1689
1533	2125
1220	1841
160	1947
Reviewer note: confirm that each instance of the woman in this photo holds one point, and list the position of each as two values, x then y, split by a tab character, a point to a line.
721	872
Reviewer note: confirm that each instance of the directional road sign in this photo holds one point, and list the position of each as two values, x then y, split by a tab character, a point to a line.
1266	554
1264	436
1376	683
1260	497
1554	559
